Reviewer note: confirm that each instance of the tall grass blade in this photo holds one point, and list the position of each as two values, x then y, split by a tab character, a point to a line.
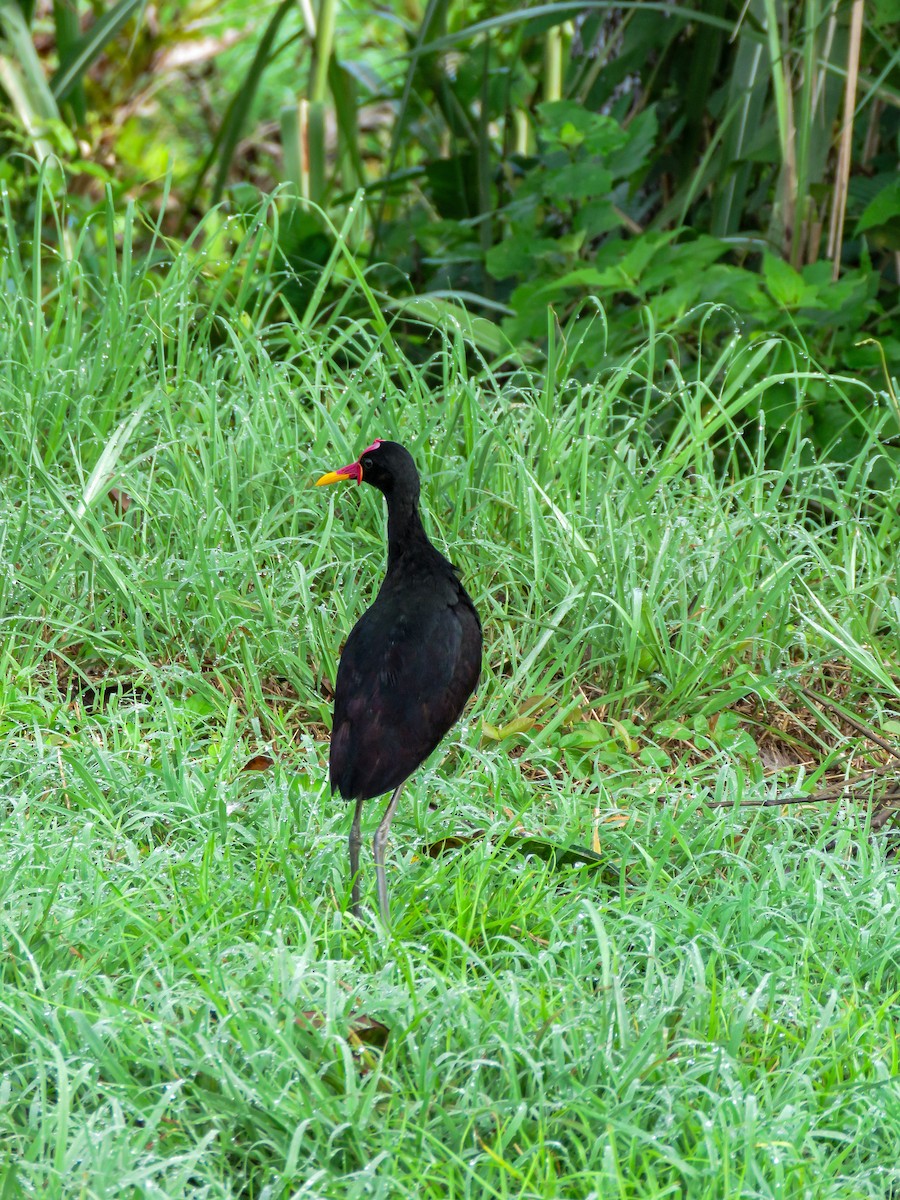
22	77
88	48
229	132
102	475
68	34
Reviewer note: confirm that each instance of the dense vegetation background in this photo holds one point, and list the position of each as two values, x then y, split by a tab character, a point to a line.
624	279
569	175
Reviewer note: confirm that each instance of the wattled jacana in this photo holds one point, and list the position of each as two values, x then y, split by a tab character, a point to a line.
409	665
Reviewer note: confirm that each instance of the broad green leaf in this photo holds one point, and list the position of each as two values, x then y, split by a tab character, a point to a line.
882	209
578	181
516	255
784	283
444	312
677	730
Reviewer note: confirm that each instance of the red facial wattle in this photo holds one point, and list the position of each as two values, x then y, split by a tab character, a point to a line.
352	470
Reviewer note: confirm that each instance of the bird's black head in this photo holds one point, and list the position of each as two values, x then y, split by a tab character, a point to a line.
386	466
390	468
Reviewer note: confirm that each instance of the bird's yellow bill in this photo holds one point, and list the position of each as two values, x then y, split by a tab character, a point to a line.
352	471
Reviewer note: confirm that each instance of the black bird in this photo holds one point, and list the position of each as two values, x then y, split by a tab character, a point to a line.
411	661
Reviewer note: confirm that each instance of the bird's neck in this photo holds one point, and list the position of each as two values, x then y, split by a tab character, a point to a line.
405	529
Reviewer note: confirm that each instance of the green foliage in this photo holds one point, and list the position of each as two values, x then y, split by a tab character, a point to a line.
184	1007
581	180
570	246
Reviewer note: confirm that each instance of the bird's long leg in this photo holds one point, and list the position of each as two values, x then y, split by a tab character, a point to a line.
379	842
355	843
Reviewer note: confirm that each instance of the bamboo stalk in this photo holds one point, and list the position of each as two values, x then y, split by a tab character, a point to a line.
842	175
784	215
553	63
322	51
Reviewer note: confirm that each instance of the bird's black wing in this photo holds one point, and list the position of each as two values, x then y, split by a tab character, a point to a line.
405	675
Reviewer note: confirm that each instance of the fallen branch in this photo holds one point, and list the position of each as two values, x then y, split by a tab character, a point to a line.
856	724
824	796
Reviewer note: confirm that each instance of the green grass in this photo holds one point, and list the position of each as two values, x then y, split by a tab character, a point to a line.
710	1013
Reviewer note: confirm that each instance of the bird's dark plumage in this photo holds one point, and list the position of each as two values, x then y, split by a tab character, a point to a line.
411	661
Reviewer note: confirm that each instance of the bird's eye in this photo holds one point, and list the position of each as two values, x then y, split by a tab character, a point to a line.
367	463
